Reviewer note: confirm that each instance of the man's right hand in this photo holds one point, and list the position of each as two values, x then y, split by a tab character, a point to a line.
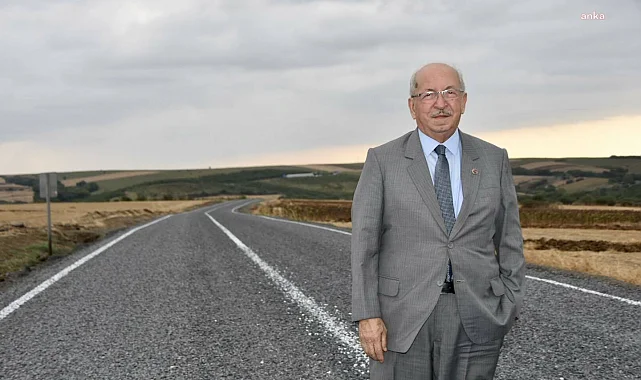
373	336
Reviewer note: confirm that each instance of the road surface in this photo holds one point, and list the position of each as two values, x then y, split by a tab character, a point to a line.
219	294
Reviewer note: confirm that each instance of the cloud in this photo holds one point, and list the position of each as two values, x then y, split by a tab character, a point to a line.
599	138
168	84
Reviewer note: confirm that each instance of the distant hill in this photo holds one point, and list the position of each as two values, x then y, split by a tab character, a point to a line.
613	180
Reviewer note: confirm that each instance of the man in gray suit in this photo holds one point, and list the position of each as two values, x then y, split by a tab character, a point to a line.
437	250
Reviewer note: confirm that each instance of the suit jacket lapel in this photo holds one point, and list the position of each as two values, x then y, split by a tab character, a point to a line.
470	180
419	172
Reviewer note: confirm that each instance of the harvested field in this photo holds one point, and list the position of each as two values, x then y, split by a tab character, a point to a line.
618	265
320	211
23	234
583	245
615	236
35	214
105	177
578	218
561	167
613	252
10	192
601	208
549	217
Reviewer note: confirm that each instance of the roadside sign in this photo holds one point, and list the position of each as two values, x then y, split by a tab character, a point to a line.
53	185
48	190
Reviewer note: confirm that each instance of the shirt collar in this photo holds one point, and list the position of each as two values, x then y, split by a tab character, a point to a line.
429	144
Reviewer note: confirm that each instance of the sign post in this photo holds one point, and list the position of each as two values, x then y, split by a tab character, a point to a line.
48	190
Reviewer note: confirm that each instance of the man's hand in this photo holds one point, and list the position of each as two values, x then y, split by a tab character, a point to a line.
373	335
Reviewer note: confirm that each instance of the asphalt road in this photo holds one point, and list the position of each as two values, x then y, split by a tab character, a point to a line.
237	296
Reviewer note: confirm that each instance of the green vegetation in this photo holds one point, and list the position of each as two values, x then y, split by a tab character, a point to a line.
71	175
357	166
82	191
598	181
18	255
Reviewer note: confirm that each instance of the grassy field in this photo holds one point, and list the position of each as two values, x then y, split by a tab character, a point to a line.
106	177
330	168
197	176
584	185
562	166
72	175
23	235
122	183
632	164
187	184
579	239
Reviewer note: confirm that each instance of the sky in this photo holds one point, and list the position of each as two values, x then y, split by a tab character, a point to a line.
165	84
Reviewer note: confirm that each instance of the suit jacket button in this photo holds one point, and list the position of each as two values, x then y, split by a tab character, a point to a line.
439	283
450	245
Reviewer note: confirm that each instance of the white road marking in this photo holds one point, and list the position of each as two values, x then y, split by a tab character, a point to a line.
235	209
38	289
307	224
629	301
331	324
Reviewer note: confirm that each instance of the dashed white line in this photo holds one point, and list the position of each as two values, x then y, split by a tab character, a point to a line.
589	291
331	324
40	288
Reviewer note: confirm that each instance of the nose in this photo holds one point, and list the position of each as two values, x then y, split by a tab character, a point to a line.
440	101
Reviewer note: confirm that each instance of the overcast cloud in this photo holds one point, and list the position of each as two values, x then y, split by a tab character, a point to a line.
182	84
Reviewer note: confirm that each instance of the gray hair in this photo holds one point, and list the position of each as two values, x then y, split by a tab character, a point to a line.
414	83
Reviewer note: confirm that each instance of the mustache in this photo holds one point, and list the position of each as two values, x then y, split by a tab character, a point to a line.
441	113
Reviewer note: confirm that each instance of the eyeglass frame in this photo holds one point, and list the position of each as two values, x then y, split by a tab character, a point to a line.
442	93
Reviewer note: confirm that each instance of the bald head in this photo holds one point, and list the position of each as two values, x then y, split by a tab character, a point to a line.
432	69
437	114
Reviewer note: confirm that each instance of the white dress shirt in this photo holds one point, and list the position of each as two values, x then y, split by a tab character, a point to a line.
453	153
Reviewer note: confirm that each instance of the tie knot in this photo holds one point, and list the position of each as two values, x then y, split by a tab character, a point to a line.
440	150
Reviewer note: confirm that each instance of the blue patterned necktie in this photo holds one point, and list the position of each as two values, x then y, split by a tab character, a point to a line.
443	188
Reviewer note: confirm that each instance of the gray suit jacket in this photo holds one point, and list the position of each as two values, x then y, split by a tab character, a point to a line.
400	245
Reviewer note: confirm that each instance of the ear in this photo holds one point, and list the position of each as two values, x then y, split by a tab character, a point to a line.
410	104
463	103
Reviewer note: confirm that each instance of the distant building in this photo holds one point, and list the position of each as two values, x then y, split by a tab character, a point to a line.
300	175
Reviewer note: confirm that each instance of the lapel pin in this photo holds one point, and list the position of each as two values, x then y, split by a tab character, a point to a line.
475	171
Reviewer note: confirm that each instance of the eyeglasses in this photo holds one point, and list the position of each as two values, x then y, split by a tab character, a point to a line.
430	96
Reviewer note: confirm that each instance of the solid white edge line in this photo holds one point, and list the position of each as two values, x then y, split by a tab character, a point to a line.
330	323
38	289
307	224
631	302
626	300
235	209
